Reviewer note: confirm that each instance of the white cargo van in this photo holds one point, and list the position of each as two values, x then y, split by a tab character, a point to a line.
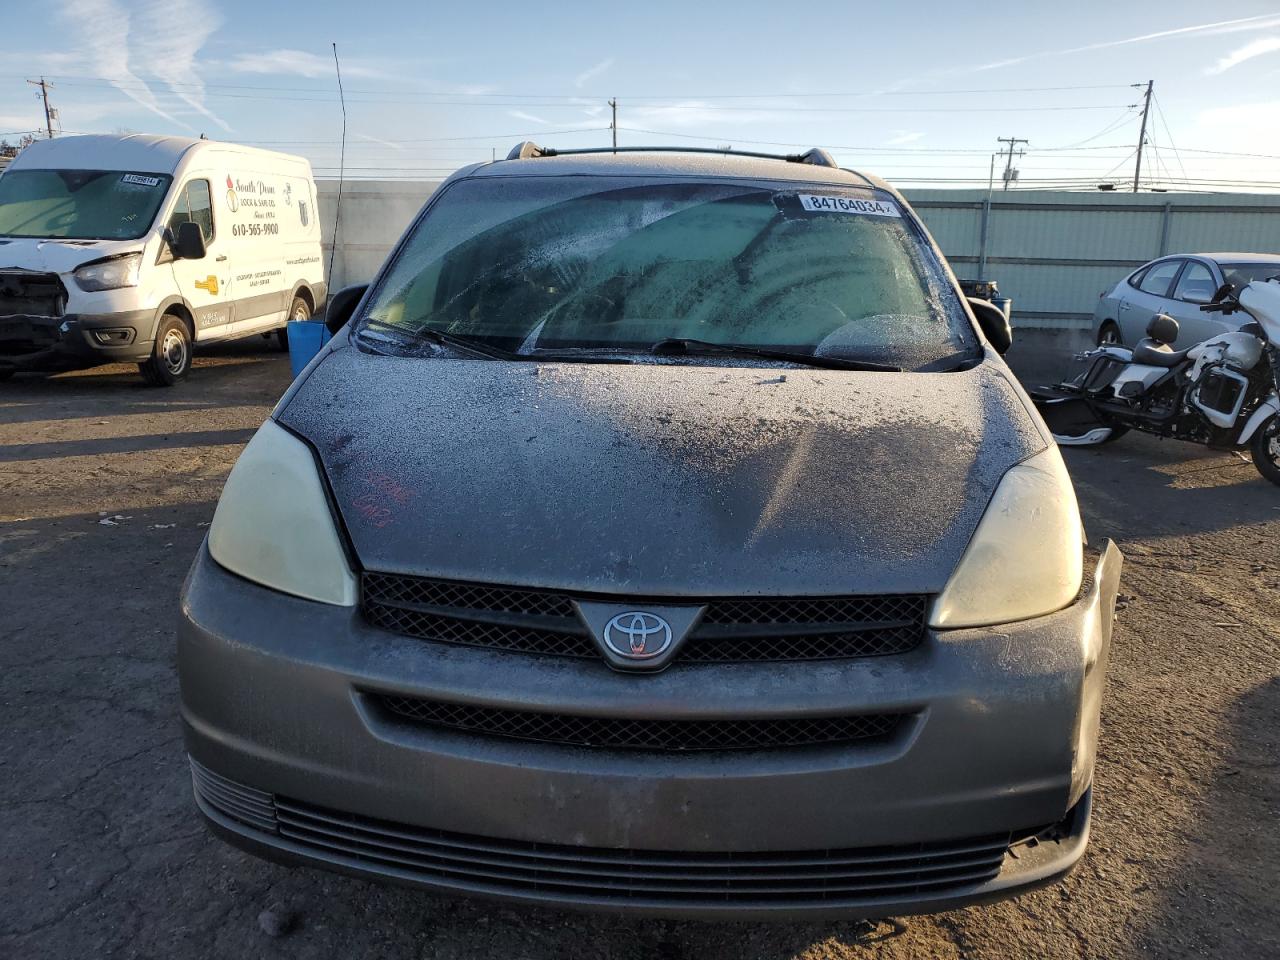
134	248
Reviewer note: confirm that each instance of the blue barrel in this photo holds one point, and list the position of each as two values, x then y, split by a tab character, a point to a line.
306	337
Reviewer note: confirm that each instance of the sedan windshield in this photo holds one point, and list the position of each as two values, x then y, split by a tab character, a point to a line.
79	204
1241	275
621	265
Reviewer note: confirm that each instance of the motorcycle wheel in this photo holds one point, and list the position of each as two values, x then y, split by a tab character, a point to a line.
1265	447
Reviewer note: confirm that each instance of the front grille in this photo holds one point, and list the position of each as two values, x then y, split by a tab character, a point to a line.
25	292
608	875
732	630
616	733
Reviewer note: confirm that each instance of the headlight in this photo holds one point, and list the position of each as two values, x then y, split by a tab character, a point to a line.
1026	558
273	524
109	274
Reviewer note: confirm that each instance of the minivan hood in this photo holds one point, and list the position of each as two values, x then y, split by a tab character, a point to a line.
58	256
661	480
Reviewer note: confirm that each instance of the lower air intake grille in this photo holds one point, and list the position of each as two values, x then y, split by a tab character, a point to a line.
607	875
631	734
244	804
732	630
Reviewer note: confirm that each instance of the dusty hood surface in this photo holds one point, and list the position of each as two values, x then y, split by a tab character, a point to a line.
661	480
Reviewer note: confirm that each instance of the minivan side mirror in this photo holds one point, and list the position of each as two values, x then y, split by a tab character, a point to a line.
341	305
188	243
994	324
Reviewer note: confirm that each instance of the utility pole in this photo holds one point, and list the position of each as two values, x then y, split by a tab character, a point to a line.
986	221
48	111
1008	167
1142	134
613	103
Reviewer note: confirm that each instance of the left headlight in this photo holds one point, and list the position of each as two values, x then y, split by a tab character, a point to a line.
109	274
273	524
1026	558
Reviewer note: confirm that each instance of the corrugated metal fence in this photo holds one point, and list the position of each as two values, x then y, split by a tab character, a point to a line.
1051	252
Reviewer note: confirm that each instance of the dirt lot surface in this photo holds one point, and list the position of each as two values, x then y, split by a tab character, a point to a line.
103	855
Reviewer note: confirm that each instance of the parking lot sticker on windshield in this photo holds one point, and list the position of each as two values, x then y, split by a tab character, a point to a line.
139	180
875	208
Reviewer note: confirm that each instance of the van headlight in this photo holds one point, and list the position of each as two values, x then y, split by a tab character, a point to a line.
109	274
273	524
1026	558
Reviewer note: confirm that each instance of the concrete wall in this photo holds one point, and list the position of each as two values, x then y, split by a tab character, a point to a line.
1053	253
374	214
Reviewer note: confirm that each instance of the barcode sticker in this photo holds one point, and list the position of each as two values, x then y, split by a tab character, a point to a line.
875	208
140	181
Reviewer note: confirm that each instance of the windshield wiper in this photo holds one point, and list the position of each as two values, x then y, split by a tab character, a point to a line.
678	345
479	348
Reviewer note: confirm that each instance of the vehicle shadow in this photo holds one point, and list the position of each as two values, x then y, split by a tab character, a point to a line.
1141	487
225	374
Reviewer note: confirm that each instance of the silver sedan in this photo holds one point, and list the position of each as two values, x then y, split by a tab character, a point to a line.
1178	285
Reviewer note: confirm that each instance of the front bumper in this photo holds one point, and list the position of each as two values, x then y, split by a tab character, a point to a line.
292	760
76	339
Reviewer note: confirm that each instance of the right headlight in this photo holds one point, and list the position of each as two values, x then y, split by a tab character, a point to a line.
1026	558
273	524
110	273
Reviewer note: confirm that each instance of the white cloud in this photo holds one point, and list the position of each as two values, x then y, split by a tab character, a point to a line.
176	30
521	115
385	143
690	113
100	28
1247	127
297	63
1254	48
902	137
586	76
1260	22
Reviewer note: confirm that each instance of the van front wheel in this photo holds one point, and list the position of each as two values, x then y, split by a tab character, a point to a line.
298	311
170	359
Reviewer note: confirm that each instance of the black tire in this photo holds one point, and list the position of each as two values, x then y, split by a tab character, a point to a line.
170	359
1265	448
6	372
1109	335
1116	434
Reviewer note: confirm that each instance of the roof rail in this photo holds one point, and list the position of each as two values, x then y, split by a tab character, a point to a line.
527	150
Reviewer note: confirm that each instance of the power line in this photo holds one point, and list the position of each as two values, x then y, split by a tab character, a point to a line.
859	149
86	79
1169	133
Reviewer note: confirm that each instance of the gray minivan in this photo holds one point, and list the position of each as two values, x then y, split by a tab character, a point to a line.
660	532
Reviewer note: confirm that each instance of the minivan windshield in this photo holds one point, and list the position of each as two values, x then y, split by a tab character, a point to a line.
624	265
80	204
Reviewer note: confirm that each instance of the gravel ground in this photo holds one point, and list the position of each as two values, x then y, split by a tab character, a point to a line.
104	856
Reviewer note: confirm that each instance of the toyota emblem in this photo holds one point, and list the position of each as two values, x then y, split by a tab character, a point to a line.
637	635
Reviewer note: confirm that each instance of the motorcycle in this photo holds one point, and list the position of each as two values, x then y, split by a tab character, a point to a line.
1223	393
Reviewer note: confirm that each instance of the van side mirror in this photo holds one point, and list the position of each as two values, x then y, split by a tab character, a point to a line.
994	324
188	243
341	305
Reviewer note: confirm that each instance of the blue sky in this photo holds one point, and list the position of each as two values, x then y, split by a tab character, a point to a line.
918	92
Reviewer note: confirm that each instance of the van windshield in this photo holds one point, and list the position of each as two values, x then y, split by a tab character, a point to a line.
79	204
621	264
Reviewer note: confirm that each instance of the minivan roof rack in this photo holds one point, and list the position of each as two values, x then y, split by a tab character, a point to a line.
527	150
